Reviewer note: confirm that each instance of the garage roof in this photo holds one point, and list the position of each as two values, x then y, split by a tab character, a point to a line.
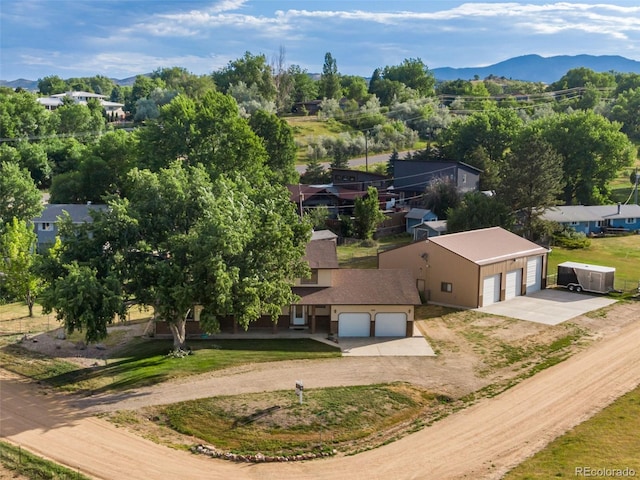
363	287
488	245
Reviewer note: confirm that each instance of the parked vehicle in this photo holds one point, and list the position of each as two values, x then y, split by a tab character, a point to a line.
583	277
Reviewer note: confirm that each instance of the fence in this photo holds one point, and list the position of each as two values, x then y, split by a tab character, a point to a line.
21	462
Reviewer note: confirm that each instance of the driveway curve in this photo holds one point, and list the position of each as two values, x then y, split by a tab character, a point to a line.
482	441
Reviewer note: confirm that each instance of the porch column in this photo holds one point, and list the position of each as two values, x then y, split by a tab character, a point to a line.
235	325
313	319
275	325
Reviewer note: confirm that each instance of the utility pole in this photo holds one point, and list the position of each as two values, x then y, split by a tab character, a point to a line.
366	150
636	199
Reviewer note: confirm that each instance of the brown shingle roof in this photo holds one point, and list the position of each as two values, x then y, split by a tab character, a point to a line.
321	254
488	245
363	287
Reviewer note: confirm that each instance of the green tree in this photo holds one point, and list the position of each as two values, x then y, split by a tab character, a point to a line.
582	77
413	73
477	210
367	214
441	196
19	197
625	110
280	144
304	87
77	119
329	85
21	116
170	247
593	151
531	180
51	85
315	173
18	258
250	69
207	131
354	88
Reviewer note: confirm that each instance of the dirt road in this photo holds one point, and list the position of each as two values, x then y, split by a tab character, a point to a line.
483	441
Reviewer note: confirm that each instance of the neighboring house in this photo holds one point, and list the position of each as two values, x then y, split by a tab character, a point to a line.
417	216
472	269
46	225
358	180
428	229
339	302
339	200
596	219
411	177
113	110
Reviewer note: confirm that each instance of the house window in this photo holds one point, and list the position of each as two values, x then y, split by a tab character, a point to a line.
46	227
601	223
313	280
630	220
446	287
464	178
574	224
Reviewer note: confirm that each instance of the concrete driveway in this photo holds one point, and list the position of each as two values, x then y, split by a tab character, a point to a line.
415	346
550	306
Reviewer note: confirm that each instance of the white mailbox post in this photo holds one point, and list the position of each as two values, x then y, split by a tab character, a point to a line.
299	389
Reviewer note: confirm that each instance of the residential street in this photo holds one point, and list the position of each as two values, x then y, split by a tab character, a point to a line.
483	441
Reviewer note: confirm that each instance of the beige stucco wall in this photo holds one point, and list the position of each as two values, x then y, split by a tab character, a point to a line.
410	258
445	266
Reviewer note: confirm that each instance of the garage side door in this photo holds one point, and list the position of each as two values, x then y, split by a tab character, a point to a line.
513	287
491	290
391	325
354	324
534	274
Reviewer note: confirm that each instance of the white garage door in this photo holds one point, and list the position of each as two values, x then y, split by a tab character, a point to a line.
513	285
491	290
534	274
354	324
391	325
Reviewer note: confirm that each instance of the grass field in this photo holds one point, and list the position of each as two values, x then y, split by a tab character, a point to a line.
622	253
307	129
609	440
22	464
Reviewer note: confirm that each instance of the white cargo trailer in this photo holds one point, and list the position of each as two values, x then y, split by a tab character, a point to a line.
583	277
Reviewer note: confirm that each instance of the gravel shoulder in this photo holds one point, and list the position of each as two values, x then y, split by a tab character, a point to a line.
482	441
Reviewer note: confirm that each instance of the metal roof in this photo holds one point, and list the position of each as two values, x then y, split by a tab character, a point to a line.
584	266
590	213
488	245
78	212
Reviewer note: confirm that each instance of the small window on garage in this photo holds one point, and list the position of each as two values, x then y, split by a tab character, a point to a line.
446	287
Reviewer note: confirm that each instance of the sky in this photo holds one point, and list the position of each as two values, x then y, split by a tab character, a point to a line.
124	38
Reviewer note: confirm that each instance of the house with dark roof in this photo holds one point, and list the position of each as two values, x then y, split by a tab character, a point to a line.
46	225
412	177
339	302
472	269
596	219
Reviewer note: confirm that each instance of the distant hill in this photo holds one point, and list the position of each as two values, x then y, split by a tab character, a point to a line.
529	68
32	85
534	68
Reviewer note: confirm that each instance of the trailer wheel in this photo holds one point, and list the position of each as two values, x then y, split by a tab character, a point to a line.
578	289
570	287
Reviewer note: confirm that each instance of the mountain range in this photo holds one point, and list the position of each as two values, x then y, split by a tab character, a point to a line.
529	68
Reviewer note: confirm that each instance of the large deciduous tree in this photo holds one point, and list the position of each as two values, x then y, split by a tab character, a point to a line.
477	210
280	144
329	85
178	241
18	258
593	151
250	69
205	131
19	196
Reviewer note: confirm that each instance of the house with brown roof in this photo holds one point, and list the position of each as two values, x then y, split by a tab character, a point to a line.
472	269
339	302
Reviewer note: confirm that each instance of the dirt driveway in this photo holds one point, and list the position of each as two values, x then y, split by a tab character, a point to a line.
482	441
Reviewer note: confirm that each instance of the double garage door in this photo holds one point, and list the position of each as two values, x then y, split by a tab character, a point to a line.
491	287
359	324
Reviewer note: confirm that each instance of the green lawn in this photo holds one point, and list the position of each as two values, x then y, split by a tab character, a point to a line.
276	424
609	440
622	253
365	254
146	362
23	464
